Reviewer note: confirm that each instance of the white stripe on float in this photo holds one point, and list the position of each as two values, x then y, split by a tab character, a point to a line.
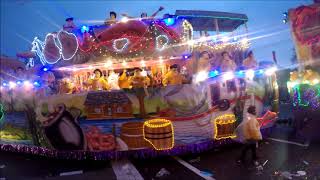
192	168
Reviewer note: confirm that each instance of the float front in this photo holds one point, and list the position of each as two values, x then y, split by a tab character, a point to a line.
138	87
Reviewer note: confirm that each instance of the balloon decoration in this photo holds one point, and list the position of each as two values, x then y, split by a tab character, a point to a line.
267	118
305	21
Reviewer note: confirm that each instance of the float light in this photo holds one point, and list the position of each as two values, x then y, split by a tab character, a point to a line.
169	21
201	76
12	85
84	29
270	71
227	76
125	19
250	74
213	73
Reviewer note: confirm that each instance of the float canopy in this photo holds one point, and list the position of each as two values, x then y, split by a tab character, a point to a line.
205	20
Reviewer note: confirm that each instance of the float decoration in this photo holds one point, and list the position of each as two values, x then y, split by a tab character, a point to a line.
159	133
304	87
79	121
224	126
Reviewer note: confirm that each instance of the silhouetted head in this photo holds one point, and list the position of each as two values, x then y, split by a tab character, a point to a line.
113	15
252	110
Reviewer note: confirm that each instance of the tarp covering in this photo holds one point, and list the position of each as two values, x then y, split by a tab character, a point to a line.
204	20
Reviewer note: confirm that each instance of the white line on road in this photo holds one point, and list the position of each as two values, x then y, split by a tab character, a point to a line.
71	173
288	142
125	170
192	168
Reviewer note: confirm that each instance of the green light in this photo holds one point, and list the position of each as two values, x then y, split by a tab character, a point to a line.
1	113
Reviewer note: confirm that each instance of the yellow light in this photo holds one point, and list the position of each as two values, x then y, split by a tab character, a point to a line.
315	81
159	123
227	76
108	64
160	60
27	84
201	76
90	67
12	85
124	63
144	73
203	39
143	64
223	120
125	19
190	42
271	71
250	74
225	39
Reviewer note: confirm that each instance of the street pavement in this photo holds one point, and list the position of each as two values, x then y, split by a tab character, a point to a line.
280	159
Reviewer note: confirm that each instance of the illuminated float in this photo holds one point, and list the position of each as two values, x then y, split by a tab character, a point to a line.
304	82
145	87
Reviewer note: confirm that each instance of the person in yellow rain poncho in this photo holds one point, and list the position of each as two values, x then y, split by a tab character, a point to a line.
98	82
248	133
124	80
139	84
173	77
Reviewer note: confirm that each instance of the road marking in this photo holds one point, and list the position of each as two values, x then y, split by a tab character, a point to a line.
125	170
192	168
288	142
71	173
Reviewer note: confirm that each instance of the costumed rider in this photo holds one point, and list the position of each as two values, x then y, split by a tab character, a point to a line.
144	15
138	80
250	62
124	80
67	86
98	82
139	84
227	64
173	77
113	81
112	19
69	26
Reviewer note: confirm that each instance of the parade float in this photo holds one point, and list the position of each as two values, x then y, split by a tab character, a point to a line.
304	82
141	87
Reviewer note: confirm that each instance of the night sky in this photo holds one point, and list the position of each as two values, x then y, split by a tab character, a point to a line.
22	20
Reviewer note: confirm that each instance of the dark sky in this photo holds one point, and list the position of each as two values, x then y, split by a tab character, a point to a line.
22	20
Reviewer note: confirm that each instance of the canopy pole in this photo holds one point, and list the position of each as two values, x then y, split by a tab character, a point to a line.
216	25
246	29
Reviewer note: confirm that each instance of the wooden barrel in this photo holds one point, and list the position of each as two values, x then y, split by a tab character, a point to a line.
159	133
224	126
132	135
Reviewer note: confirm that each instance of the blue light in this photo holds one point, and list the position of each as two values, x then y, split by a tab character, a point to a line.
45	69
84	29
36	84
240	73
213	73
169	21
19	82
260	71
4	84
186	56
